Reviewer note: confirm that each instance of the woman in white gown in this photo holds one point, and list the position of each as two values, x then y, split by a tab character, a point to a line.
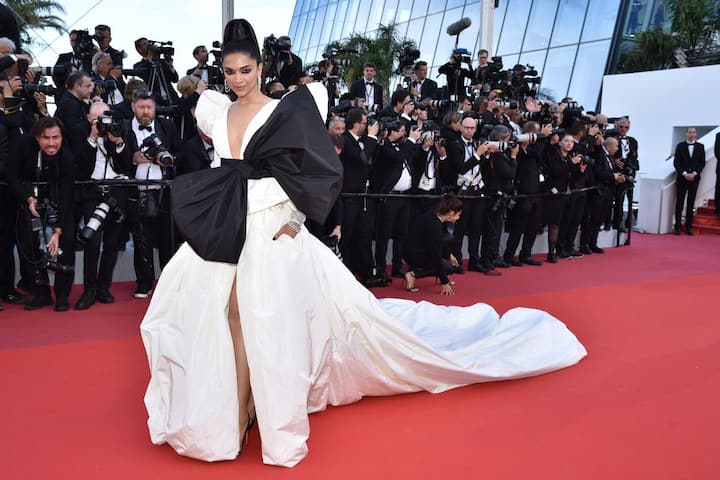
308	335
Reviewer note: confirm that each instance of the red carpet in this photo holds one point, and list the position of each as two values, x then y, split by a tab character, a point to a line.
643	404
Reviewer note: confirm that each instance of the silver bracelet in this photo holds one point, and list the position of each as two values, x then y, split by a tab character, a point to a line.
294	225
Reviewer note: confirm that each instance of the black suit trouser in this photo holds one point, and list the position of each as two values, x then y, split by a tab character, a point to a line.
358	225
621	191
572	218
8	215
150	233
689	190
599	203
393	220
491	232
470	223
717	187
524	220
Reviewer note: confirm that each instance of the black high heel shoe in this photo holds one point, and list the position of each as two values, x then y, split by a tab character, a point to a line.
244	441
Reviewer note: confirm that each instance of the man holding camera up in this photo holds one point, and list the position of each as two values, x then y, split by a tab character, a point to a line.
156	69
153	143
464	157
400	109
103	156
103	35
289	66
393	173
109	84
42	157
626	160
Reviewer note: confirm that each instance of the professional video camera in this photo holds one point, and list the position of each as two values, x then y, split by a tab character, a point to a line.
335	56
271	50
154	149
216	52
97	219
84	46
30	88
107	124
406	62
164	49
523	82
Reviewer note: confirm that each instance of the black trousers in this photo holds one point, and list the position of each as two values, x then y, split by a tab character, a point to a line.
571	221
426	266
108	235
523	221
470	224
717	188
599	203
621	191
150	233
393	220
8	216
685	190
491	232
358	228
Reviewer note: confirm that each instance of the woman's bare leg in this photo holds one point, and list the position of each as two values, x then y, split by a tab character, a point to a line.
241	363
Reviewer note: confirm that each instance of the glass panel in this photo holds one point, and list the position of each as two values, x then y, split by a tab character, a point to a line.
556	73
514	27
329	21
498	25
348	28
362	17
307	31
390	11
569	22
535	59
296	37
470	37
454	4
540	25
429	39
436	6
419	8
401	30
339	20
600	19
317	28
414	32
312	4
376	12
403	14
588	73
293	27
446	43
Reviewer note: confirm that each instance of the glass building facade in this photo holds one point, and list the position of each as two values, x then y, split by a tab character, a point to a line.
571	43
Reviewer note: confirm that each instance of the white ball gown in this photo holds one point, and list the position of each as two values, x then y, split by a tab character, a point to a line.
314	336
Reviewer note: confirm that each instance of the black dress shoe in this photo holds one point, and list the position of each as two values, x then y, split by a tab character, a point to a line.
62	306
477	267
575	254
689	232
501	264
104	296
531	261
15	298
86	300
565	254
676	231
39	302
552	258
596	249
512	262
586	250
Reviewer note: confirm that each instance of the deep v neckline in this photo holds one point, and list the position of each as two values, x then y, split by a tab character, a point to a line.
245	139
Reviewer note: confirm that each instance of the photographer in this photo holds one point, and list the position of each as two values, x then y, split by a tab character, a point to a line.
358	213
455	74
524	219
626	161
156	69
42	157
368	89
210	74
73	108
426	166
401	108
605	178
463	168
429	245
151	216
183	112
103	156
486	72
287	65
124	110
392	173
70	62
103	34
422	87
109	84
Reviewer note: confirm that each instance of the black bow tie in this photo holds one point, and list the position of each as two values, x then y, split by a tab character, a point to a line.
145	127
469	144
369	83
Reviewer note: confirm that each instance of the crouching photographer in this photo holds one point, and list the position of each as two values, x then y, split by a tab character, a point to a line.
103	156
41	174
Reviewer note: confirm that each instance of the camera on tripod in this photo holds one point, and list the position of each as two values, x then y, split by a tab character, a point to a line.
154	149
406	62
84	46
161	48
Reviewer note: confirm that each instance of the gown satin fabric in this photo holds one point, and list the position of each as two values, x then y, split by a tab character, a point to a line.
313	335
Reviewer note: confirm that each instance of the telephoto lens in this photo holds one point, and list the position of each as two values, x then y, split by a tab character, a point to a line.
96	220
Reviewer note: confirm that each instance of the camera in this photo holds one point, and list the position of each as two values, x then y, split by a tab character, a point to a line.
51	263
342	107
585	159
161	48
96	220
30	88
106	84
528	137
332	56
50	71
502	146
107	124
439	104
406	61
154	149
84	46
461	55
502	200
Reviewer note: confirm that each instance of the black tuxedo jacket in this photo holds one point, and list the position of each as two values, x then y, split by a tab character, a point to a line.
389	163
193	156
165	130
683	162
355	161
357	90
58	171
717	156
3	149
85	155
632	165
291	72
105	93
603	169
429	89
215	76
73	114
455	163
421	162
498	173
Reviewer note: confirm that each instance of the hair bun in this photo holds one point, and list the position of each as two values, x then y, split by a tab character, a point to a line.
238	30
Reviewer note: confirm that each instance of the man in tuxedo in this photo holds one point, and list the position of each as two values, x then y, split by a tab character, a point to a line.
357	213
400	108
368	89
105	34
392	173
109	84
689	162
43	157
211	74
626	161
152	226
289	66
68	62
456	75
73	107
102	156
422	87
717	175
157	71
